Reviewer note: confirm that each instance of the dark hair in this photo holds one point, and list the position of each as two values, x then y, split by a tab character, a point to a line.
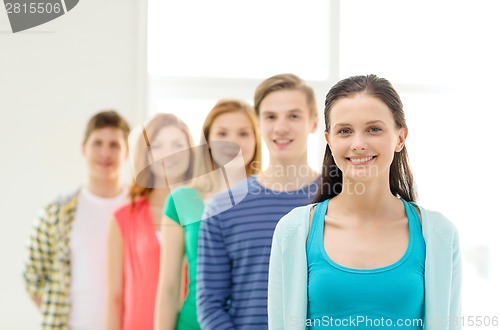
281	82
107	118
400	175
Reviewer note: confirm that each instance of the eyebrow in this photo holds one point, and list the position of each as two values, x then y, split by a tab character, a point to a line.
287	111
371	122
179	139
239	128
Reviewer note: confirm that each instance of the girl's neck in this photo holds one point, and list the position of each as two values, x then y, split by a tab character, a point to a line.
366	200
157	197
156	200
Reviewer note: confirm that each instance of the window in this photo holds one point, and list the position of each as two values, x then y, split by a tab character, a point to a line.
201	51
239	39
441	56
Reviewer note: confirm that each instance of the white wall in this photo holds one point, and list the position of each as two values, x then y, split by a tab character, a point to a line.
52	79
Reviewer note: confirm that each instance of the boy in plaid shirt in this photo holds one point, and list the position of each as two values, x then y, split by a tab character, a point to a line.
65	270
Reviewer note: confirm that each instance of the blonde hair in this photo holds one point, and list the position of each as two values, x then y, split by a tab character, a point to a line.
204	163
155	124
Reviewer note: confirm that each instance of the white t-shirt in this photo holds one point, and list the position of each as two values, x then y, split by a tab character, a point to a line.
88	244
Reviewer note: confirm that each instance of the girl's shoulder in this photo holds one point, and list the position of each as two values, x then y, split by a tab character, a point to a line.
436	225
294	224
184	191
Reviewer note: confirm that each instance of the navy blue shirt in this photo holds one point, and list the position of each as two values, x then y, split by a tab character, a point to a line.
233	253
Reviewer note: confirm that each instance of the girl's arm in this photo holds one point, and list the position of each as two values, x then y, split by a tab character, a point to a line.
456	285
115	278
275	287
170	278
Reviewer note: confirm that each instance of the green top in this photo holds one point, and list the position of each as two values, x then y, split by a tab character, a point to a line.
185	206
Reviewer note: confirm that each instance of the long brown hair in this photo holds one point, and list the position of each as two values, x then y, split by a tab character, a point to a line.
203	159
154	125
400	176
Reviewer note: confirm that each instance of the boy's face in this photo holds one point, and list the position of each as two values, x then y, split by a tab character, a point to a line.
285	122
105	152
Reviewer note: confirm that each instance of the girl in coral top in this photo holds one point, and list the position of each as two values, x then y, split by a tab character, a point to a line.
163	154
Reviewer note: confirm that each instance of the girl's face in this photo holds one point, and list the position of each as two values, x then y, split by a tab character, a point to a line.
172	146
233	127
363	137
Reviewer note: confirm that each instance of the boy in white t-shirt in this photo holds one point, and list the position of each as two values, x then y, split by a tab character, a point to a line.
65	270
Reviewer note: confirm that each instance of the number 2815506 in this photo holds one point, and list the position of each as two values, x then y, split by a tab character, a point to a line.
33	8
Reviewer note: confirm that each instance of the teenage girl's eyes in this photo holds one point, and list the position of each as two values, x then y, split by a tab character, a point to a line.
244	134
374	129
269	117
294	116
344	131
221	134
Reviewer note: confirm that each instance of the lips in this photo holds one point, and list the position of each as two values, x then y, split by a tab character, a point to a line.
170	163
282	142
361	160
231	155
105	164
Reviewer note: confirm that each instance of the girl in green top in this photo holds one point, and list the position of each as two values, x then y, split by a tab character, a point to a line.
230	141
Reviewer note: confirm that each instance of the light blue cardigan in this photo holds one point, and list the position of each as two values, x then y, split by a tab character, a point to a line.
287	300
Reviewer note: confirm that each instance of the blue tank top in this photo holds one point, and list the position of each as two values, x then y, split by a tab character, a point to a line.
390	297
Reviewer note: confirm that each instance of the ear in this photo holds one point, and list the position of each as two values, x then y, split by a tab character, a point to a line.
327	140
403	133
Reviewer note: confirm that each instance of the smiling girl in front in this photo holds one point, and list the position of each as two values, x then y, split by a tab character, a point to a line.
365	256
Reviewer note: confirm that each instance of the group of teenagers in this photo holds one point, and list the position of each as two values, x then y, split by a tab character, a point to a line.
204	238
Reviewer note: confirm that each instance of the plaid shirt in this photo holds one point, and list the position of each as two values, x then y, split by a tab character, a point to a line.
47	273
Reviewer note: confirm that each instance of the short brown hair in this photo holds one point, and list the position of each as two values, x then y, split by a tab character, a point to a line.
285	81
107	118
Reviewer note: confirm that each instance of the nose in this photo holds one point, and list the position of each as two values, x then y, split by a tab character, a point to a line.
281	126
230	143
159	153
232	138
358	142
106	151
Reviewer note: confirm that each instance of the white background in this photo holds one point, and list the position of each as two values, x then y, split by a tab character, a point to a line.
441	55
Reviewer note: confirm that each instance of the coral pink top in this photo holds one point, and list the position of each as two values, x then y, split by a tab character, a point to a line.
141	264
